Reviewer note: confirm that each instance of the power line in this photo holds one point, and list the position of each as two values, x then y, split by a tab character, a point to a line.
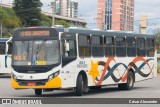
133	21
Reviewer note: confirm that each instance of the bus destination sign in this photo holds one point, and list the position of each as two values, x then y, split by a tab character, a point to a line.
35	33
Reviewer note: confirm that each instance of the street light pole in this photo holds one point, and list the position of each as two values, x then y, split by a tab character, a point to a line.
1	21
53	13
1	4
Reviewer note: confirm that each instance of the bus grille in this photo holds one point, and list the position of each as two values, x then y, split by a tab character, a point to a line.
38	83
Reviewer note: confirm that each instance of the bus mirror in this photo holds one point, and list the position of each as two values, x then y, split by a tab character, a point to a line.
66	46
8	48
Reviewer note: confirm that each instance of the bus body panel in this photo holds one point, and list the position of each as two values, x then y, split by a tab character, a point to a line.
99	70
37	77
5	61
69	75
118	69
5	64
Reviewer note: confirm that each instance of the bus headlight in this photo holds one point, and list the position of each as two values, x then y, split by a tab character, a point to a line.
14	77
53	75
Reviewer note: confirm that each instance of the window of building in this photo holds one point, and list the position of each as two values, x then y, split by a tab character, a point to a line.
109	46
150	47
141	51
131	46
120	46
84	45
97	46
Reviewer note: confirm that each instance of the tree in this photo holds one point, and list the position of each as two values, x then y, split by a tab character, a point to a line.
9	21
62	22
156	32
27	10
46	20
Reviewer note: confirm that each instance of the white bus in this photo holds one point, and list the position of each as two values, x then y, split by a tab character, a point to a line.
5	61
47	59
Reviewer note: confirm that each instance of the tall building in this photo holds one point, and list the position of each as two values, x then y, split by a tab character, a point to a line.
68	8
72	8
115	15
101	14
64	8
58	6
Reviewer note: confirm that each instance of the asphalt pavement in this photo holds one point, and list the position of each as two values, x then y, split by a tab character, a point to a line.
144	89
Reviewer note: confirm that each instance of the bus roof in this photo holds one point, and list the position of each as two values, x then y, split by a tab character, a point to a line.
96	32
109	33
4	39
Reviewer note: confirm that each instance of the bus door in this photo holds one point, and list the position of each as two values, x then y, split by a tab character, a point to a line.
69	56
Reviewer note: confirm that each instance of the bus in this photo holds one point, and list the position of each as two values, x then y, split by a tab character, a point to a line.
47	59
5	60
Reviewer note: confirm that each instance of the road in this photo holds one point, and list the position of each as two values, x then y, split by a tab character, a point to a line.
143	89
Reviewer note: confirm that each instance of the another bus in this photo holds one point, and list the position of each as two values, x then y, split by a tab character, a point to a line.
47	59
5	61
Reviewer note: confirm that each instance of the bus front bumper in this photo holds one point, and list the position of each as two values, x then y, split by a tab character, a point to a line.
54	83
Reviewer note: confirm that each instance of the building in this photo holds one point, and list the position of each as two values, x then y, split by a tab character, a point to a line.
67	8
72	21
58	7
72	8
101	14
64	8
143	24
115	15
81	23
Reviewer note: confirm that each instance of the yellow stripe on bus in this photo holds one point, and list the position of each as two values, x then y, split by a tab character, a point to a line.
55	83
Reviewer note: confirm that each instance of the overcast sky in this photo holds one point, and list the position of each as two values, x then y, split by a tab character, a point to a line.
88	11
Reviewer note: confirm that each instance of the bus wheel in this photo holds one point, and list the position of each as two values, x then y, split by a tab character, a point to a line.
38	91
79	86
130	82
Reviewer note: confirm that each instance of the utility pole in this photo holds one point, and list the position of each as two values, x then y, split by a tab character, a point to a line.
102	20
1	21
53	12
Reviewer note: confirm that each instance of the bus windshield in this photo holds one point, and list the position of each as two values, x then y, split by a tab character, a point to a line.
36	53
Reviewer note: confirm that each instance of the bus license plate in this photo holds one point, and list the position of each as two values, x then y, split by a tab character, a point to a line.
31	84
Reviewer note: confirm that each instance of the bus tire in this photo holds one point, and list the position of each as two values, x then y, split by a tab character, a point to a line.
130	82
79	86
38	91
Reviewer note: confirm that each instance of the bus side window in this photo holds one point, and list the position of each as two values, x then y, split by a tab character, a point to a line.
131	46
84	45
150	47
120	47
69	48
109	46
141	51
97	46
